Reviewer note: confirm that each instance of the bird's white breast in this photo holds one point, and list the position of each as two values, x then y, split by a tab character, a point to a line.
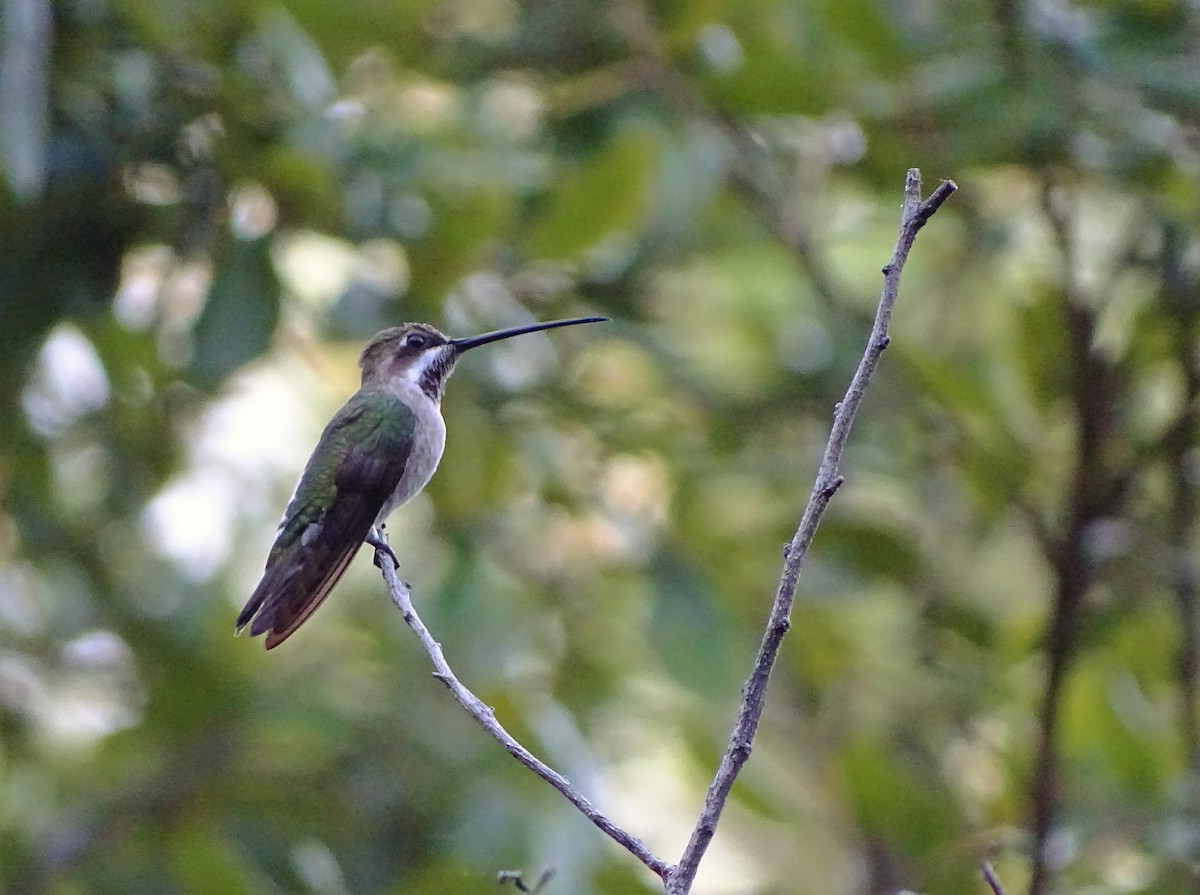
429	440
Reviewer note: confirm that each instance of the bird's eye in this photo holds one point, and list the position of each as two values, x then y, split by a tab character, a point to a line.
416	340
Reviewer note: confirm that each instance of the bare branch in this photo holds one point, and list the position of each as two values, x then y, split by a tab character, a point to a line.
679	878
486	717
913	217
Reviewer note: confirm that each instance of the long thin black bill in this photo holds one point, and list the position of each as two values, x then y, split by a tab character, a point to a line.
476	341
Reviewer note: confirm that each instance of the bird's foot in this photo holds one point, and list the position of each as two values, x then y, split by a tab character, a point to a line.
377	539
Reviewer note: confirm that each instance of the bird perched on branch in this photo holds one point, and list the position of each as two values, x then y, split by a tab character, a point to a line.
377	453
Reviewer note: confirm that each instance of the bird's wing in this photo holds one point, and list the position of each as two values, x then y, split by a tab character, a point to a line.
358	462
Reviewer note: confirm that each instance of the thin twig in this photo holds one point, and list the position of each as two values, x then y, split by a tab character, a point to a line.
517	878
913	217
487	720
993	881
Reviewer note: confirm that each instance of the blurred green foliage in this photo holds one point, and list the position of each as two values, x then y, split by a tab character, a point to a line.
209	206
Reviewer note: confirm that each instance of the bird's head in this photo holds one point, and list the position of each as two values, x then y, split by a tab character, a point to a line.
426	357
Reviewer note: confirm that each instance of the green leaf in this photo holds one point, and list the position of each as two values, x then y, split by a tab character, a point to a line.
610	193
203	864
996	464
873	29
239	316
901	804
688	628
872	547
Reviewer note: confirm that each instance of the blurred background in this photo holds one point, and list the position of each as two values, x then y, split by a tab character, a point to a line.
208	207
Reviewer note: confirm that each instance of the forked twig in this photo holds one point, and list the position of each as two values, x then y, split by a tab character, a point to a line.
678	878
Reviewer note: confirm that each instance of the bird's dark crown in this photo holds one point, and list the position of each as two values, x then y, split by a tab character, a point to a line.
406	340
397	348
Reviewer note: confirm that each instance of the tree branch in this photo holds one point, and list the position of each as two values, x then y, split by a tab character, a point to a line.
913	217
1092	496
679	878
486	717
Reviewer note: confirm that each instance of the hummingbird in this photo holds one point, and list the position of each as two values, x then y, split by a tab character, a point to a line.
378	452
